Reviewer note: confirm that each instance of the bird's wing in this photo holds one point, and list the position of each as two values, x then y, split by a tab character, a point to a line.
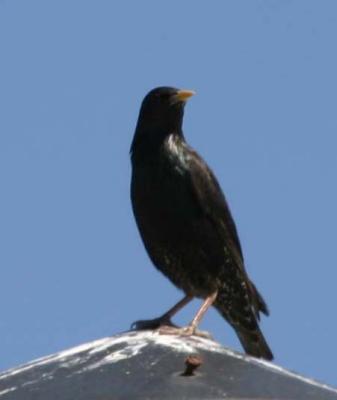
213	204
214	207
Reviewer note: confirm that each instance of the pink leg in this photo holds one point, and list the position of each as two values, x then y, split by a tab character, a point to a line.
164	320
202	310
191	329
172	311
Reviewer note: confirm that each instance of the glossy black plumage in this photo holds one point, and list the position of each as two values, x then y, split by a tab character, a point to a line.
184	220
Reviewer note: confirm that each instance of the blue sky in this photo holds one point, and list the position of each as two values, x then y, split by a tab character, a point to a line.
72	76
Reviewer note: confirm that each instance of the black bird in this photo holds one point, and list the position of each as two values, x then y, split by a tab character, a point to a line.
186	225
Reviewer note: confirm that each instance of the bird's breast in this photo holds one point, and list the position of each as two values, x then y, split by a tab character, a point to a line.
161	197
175	233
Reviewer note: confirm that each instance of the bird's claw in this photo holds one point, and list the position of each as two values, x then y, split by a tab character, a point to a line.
151	324
188	330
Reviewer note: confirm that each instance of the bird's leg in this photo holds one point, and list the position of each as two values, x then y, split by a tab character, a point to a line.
163	322
177	307
191	329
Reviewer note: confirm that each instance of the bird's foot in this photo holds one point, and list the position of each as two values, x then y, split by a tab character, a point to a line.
188	330
151	324
169	330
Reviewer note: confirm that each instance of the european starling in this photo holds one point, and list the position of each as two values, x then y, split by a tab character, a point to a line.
185	222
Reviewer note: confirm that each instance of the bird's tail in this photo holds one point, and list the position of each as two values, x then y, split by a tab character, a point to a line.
246	326
254	343
258	302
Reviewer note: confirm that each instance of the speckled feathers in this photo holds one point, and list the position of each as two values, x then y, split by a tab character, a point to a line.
184	219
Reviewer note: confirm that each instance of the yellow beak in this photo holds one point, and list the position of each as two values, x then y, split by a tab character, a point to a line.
183	95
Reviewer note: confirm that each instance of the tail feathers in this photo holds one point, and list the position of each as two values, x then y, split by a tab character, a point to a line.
248	331
254	343
258	301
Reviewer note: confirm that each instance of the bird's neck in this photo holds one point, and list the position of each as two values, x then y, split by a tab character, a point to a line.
147	145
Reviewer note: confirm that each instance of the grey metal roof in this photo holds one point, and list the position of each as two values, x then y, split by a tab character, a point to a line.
146	365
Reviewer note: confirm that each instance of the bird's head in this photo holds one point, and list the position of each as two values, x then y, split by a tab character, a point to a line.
161	114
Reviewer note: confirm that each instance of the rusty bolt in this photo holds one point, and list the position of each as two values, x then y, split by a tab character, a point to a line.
192	363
